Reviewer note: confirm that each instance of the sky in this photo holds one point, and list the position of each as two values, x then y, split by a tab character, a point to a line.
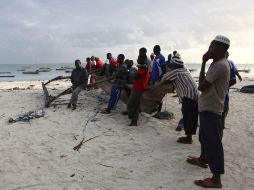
60	31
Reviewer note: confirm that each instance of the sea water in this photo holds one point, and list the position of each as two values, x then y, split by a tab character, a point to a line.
19	76
249	75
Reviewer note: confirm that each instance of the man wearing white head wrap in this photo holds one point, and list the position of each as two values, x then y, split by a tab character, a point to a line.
213	87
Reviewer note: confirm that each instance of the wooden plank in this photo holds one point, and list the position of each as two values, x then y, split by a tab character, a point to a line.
58	78
50	99
150	99
46	95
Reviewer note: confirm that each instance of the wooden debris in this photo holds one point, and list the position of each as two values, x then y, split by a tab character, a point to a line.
49	99
105	165
83	142
57	78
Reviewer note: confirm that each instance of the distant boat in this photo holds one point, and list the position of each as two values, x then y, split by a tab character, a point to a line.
5	72
31	72
7	76
68	71
44	69
192	70
24	68
60	69
244	70
63	68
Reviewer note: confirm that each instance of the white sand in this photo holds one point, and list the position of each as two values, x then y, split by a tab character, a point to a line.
40	155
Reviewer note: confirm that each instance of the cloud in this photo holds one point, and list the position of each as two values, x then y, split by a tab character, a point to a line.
62	30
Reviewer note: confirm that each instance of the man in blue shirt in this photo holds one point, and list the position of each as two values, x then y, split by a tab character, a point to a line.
159	65
119	83
233	73
158	68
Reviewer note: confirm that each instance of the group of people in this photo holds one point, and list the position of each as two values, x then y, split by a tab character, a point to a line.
207	100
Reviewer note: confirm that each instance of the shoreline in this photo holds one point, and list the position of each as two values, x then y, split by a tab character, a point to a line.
40	155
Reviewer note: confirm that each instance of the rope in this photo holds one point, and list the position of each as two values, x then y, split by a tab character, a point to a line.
165	107
85	123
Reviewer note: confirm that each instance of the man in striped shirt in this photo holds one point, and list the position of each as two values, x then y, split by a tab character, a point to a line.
187	91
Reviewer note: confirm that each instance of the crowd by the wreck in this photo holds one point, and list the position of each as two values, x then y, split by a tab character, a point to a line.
207	100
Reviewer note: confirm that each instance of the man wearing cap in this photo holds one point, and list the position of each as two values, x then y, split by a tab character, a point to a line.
213	87
187	91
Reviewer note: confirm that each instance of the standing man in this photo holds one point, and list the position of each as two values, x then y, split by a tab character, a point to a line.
158	69
88	64
159	65
132	69
174	53
143	51
233	74
187	90
233	67
168	63
93	62
213	87
99	63
151	64
139	85
79	77
110	65
120	82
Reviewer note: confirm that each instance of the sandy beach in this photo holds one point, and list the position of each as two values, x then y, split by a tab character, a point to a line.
40	155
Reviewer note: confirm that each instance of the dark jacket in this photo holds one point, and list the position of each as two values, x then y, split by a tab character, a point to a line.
79	77
120	76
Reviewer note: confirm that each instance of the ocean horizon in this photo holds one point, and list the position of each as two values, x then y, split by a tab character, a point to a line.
12	69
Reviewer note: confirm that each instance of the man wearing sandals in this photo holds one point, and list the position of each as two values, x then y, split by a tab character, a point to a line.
213	87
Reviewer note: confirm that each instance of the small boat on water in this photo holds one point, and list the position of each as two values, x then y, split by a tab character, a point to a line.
192	70
44	69
5	72
63	68
68	71
7	76
60	69
31	72
24	68
244	70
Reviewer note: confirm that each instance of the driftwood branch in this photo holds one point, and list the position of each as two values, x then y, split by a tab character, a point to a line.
105	165
83	142
49	99
58	78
